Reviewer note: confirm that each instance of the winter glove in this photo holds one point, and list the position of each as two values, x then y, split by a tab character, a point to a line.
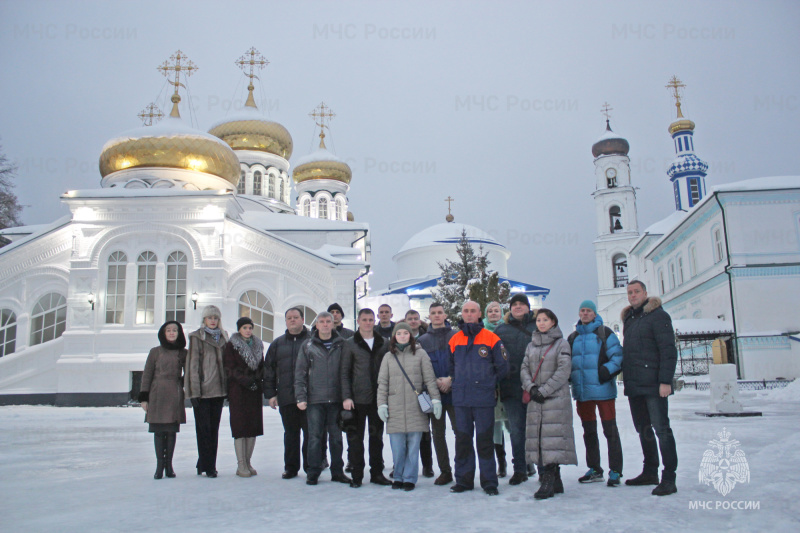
536	396
603	374
383	412
437	409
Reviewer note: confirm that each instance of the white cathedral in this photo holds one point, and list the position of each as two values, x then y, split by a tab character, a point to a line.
183	219
725	263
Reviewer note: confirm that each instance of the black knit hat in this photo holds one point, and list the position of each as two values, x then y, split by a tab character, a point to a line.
337	307
242	321
520	297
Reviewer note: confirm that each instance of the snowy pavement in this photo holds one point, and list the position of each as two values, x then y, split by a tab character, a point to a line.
91	469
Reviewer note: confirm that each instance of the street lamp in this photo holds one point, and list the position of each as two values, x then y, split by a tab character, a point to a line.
194	300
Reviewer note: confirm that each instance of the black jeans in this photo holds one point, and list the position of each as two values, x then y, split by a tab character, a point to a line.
439	431
207	414
652	413
366	418
294	423
322	417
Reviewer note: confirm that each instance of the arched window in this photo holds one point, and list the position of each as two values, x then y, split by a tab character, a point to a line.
115	288
146	288
259	309
306	207
271	189
620	265
615	219
680	270
257	182
309	315
322	207
718	251
8	331
283	191
240	187
661	284
692	260
48	318
339	209
176	287
673	279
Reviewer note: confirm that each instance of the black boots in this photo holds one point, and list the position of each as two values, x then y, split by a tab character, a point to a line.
547	488
500	451
169	450
159	440
558	485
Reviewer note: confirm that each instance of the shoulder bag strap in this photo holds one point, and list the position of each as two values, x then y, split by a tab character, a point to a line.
540	363
404	373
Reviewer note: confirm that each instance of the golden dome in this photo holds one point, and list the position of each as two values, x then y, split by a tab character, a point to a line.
683	124
170	144
322	165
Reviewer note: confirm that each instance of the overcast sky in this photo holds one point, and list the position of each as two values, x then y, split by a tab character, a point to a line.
496	104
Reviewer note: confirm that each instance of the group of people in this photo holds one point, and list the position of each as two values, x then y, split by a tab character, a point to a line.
512	371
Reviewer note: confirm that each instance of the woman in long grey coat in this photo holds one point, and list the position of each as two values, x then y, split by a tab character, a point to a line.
206	386
161	394
398	405
549	438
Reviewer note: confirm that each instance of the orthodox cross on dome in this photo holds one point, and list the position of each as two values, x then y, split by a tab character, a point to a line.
606	110
253	60
676	85
149	113
449	216
322	115
177	63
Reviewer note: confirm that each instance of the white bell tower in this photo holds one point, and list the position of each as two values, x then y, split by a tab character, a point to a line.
616	220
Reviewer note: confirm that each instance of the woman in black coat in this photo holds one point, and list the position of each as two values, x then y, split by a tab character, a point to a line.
244	368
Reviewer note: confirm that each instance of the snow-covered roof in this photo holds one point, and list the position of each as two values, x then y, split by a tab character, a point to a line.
246	113
666	224
760	184
320	155
168	127
43	229
448	233
286	222
24	230
701	326
122	192
608	134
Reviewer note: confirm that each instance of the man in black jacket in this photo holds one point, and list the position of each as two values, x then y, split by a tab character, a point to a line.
385	326
337	313
361	361
649	357
281	361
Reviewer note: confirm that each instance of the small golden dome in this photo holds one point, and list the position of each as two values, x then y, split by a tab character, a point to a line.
322	165
248	131
170	144
683	124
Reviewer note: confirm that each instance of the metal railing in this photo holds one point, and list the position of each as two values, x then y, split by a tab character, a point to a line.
764	384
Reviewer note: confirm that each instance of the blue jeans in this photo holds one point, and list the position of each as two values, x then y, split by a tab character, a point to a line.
516	412
322	417
652	413
405	452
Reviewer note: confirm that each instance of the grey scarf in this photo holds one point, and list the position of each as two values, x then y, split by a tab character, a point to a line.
253	354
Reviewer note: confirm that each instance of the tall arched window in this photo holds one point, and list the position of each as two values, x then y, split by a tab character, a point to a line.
692	260
257	182
620	265
309	315
680	270
146	288
322	207
339	209
661	284
240	187
259	309
115	288
283	191
271	190
673	278
718	251
8	332
176	287
615	218
306	207
48	318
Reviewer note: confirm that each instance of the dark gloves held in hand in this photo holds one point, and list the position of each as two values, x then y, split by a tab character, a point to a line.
603	374
536	396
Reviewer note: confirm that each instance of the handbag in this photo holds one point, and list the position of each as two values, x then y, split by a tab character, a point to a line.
423	397
526	395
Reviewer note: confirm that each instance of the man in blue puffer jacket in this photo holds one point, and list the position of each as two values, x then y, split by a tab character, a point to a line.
596	359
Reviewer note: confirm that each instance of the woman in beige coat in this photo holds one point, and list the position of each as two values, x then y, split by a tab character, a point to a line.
161	393
206	386
398	405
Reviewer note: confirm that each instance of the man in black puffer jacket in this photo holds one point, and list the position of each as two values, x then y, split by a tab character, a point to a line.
649	357
361	361
516	335
281	361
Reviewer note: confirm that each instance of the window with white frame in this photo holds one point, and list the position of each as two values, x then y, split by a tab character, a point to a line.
115	288
692	260
339	209
322	207
240	187
309	315
258	307
282	190
306	207
673	279
718	250
271	187
8	332
176	287
680	270
257	182
48	318
146	288
661	284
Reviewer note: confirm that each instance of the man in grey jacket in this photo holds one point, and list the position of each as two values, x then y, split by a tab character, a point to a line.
318	389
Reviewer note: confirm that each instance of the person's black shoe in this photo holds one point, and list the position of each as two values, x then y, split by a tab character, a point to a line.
558	485
341	478
518	478
355	483
445	478
491	491
288	475
211	473
380	479
458	489
643	479
397	485
311	480
665	488
199	471
408	487
427	471
347	467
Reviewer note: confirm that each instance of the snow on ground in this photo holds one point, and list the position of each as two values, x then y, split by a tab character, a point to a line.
90	469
